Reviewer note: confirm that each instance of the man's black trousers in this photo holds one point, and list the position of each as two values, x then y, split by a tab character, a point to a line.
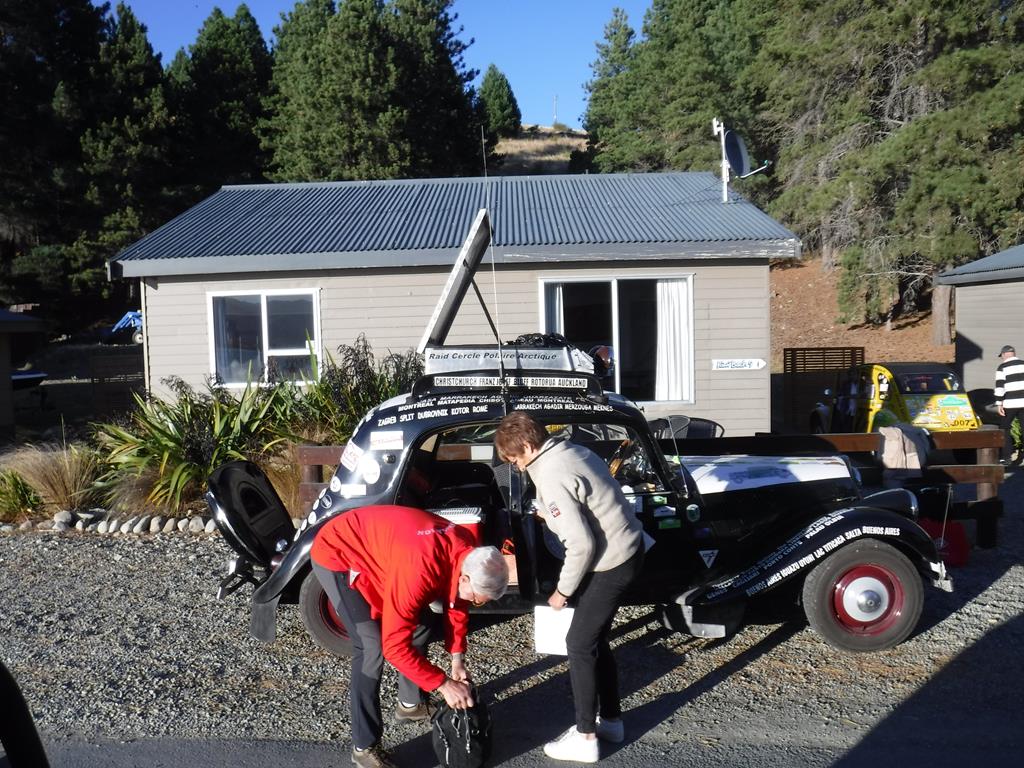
368	656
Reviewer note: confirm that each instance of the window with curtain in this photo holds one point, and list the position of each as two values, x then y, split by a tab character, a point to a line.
264	336
642	326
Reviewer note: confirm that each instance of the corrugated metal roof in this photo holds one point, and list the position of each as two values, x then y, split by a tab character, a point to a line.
422	221
1005	265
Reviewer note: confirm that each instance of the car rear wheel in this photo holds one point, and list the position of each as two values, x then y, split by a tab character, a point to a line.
865	597
321	620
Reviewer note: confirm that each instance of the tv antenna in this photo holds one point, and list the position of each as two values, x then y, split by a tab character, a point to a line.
734	156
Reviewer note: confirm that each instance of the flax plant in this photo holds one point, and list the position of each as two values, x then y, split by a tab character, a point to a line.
18	500
178	443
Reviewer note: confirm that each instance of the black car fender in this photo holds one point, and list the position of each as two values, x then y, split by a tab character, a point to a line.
263	618
798	555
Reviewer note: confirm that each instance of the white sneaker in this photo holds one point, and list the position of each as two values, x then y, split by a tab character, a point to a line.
574	746
610	730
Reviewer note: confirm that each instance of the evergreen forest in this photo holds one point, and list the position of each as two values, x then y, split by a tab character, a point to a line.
894	128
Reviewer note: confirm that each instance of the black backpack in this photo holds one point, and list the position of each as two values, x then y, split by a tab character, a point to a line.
462	737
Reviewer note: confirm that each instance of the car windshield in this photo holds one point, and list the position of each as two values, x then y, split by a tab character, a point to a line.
928	383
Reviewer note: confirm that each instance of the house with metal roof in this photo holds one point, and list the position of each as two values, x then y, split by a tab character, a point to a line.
653	267
989	313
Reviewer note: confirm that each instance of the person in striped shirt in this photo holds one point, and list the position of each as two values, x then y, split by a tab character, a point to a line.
1009	392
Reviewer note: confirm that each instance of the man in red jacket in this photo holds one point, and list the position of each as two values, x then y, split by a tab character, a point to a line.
382	567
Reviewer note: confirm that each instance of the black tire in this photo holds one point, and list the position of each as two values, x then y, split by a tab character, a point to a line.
137	337
866	596
321	620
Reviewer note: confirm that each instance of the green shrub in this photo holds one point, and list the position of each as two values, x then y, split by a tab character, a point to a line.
161	454
328	410
17	498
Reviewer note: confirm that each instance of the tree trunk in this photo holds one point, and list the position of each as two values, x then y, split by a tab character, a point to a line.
942	297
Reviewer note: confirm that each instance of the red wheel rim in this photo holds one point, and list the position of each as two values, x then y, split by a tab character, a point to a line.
330	617
868	599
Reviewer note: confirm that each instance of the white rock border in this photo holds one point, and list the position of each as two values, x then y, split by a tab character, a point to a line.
109	523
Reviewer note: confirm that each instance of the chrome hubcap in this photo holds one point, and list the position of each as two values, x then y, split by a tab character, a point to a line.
865	599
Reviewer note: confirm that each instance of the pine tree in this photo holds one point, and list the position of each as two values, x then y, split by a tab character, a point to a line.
218	97
619	129
894	127
499	104
125	155
48	54
48	50
291	132
361	136
373	90
442	120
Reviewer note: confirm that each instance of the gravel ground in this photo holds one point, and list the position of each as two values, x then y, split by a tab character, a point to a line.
126	658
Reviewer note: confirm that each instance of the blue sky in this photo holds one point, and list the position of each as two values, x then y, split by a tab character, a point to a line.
544	47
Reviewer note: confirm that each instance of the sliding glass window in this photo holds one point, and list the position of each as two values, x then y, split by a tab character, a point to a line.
642	327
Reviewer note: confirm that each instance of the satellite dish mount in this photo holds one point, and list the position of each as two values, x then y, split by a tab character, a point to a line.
734	156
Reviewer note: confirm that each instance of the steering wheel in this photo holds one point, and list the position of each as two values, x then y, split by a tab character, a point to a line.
625	450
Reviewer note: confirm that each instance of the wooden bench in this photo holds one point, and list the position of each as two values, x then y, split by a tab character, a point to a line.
316	462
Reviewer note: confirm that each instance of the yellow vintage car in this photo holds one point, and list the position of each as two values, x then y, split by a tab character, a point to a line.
873	395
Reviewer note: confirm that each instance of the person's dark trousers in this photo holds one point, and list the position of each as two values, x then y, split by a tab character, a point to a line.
367	656
592	670
1009	414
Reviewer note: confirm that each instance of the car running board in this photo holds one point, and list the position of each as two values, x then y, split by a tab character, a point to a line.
715	621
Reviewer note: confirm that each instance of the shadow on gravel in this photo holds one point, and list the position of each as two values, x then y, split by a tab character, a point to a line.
969	713
649	716
525	721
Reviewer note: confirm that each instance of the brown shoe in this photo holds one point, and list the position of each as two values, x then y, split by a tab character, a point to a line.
421	711
372	757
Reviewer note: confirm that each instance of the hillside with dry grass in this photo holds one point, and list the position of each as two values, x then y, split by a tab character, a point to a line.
538	150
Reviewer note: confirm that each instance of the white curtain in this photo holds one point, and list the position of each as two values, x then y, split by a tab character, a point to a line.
553	309
672	376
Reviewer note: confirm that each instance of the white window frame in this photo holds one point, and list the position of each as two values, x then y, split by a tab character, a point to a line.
613	280
264	293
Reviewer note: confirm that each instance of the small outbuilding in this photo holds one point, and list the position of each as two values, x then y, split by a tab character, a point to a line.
989	313
12	325
654	267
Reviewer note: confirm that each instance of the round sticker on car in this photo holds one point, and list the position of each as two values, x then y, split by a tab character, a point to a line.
370	470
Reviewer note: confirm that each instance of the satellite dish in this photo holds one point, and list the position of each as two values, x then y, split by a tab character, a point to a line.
736	154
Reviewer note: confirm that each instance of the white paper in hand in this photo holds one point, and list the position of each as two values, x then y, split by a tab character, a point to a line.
549	629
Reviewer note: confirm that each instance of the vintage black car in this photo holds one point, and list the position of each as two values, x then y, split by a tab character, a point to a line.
727	530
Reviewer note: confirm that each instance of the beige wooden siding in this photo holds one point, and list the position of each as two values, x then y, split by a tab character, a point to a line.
730	312
987	317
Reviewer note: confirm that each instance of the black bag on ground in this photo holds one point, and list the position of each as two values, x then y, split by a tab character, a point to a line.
462	737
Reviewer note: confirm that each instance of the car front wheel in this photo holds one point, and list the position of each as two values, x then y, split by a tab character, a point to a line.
321	620
865	597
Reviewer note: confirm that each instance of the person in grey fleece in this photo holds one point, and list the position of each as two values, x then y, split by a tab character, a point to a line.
580	501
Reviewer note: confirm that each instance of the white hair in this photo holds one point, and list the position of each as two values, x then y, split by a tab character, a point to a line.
487	572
